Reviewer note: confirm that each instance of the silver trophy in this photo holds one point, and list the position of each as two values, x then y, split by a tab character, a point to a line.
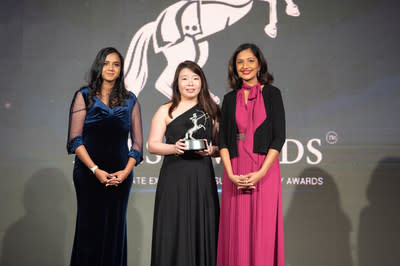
190	141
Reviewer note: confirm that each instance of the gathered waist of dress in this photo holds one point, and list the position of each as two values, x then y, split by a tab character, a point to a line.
108	150
188	155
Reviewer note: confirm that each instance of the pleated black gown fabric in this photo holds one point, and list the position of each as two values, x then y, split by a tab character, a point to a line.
186	212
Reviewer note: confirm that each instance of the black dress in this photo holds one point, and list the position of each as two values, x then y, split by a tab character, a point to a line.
100	233
186	212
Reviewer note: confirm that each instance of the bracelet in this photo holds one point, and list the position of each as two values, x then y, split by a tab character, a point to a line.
93	169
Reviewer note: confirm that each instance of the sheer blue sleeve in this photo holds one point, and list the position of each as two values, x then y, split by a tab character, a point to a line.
77	116
136	133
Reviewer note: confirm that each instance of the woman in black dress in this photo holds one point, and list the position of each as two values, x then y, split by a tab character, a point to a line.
102	116
186	208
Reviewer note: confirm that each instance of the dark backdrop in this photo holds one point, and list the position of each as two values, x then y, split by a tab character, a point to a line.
337	65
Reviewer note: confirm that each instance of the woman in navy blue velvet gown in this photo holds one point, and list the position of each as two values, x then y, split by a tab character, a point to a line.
103	116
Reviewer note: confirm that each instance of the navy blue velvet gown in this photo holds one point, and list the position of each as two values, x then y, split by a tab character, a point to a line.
100	234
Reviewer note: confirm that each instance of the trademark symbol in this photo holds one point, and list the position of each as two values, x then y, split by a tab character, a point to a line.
332	137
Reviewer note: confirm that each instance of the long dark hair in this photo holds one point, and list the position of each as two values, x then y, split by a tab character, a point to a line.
204	99
263	76
118	93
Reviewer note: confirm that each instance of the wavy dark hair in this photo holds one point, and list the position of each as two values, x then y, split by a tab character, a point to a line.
204	99
263	76
118	93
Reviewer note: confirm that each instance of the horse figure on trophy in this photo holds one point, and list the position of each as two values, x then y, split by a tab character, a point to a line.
191	142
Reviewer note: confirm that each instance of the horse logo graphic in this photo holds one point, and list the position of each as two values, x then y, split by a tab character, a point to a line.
180	32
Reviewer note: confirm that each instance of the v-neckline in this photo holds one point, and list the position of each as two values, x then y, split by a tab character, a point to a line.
108	107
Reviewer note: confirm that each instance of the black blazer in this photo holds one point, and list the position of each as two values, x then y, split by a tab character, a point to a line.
269	135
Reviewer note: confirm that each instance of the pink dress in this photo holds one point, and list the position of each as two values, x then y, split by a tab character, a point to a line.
251	224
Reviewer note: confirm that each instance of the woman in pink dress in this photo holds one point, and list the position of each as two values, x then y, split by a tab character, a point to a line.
252	133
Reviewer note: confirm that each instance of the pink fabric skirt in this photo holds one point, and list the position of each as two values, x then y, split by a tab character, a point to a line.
251	223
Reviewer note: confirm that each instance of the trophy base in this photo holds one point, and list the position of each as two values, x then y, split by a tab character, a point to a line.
195	145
